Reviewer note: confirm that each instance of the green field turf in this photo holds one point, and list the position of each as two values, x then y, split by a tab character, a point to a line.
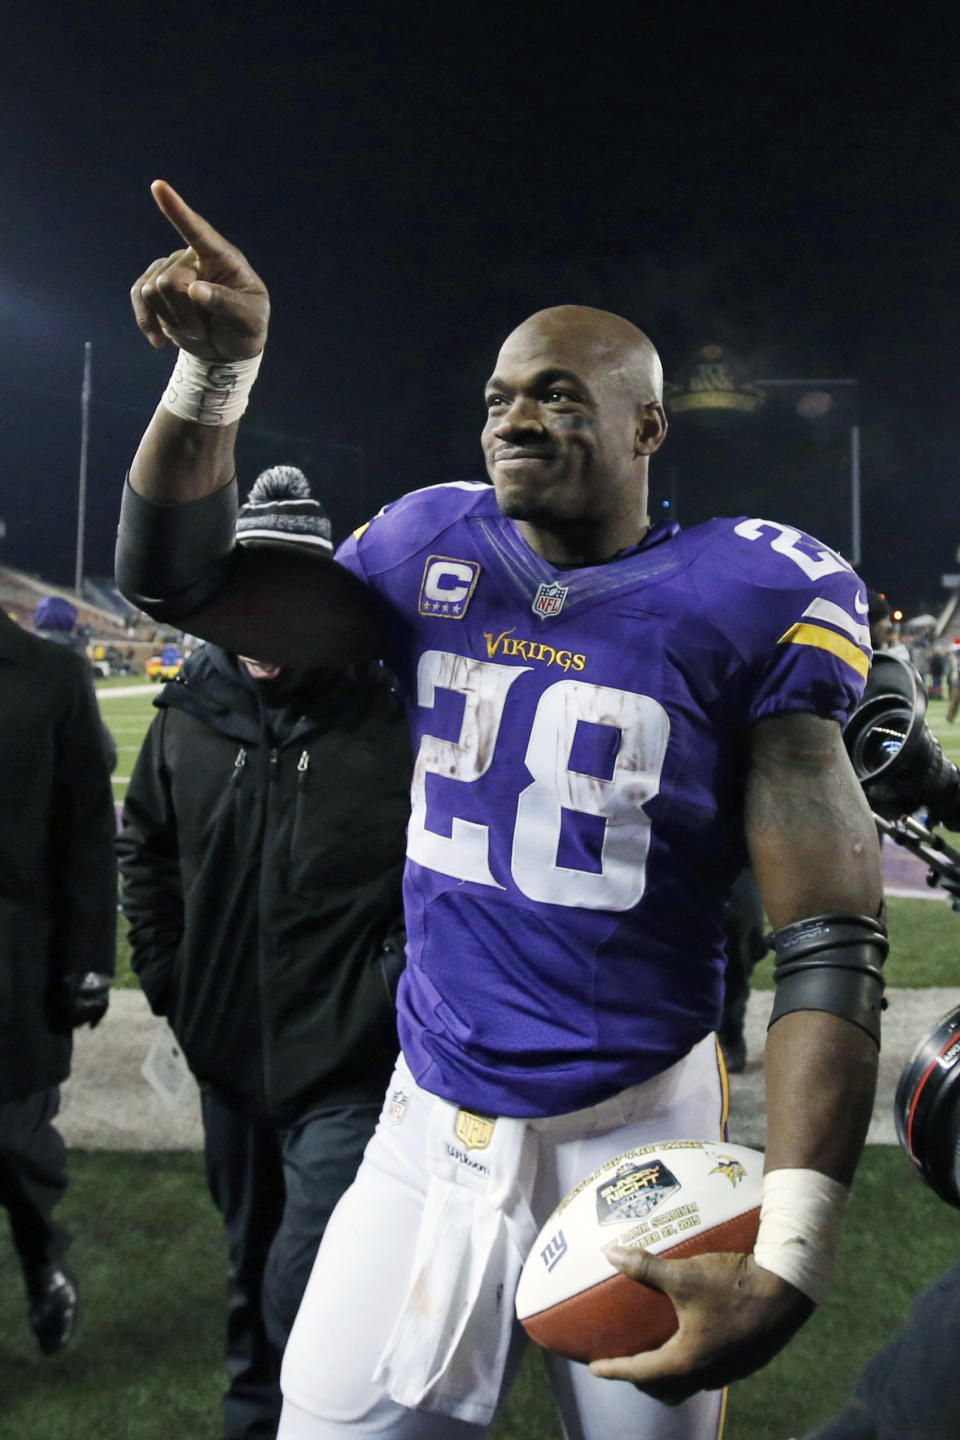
127	718
145	1365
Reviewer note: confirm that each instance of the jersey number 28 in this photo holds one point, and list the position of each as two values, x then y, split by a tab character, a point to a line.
644	730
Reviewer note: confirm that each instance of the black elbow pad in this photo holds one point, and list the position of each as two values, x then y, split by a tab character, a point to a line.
831	963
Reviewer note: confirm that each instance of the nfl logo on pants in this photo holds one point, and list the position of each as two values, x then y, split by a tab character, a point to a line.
475	1131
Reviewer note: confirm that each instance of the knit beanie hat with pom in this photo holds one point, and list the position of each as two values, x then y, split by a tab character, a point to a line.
281	511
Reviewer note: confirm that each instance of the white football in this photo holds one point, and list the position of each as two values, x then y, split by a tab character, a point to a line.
676	1198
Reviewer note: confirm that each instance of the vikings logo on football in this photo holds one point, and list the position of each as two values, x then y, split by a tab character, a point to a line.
734	1171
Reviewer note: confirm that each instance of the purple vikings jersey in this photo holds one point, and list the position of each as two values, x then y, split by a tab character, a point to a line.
582	743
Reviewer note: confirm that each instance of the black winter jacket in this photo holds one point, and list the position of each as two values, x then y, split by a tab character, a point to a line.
261	855
58	877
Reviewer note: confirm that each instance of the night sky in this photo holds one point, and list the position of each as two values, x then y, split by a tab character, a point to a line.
412	181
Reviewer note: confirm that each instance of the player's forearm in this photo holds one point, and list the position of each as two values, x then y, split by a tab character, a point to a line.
815	853
820	1076
181	460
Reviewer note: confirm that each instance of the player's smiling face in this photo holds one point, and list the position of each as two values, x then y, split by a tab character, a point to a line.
560	439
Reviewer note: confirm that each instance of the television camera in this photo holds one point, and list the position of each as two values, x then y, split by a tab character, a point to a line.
903	772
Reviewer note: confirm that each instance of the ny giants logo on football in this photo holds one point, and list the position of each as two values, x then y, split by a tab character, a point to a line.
554	1250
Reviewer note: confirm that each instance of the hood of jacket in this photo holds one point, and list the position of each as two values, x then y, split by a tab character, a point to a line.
216	688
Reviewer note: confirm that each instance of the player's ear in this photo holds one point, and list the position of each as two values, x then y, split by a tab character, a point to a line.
651	429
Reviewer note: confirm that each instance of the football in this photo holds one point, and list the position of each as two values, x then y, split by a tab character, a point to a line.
676	1198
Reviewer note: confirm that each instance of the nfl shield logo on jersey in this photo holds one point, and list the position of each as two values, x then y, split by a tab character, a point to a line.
549	600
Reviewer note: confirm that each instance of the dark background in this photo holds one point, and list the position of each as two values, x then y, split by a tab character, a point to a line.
412	181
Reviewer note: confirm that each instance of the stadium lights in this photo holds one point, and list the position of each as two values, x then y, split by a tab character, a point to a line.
715	380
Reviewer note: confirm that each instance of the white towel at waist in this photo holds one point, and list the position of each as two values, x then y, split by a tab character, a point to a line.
448	1348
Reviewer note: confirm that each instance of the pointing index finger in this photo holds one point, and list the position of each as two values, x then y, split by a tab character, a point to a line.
194	230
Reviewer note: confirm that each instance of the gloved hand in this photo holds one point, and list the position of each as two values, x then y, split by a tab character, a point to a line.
83	999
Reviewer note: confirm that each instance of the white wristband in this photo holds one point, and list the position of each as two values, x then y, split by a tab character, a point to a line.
799	1220
208	391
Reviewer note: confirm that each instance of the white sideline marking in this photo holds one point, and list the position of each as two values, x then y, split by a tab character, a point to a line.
128	690
904	892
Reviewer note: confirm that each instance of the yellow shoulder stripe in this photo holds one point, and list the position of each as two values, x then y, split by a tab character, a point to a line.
361	529
825	639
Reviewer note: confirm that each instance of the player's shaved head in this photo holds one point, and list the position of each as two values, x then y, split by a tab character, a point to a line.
575	335
574	413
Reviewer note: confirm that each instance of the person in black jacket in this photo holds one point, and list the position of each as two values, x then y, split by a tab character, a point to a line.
262	850
58	908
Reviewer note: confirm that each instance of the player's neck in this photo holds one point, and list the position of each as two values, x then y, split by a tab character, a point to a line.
570	549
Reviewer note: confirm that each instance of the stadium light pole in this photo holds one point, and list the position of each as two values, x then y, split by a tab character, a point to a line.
84	447
821	388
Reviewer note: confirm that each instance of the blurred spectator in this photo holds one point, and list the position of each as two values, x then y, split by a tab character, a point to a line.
262	850
746	945
55	618
880	620
910	1389
57	941
951	679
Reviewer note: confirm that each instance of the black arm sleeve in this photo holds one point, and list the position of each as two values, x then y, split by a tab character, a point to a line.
172	558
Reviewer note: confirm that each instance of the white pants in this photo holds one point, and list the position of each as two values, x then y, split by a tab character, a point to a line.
361	1273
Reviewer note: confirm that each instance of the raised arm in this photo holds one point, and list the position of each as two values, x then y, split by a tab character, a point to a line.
175	555
814	853
207	301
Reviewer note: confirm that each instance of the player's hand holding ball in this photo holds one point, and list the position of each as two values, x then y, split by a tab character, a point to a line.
205	298
684	1306
733	1317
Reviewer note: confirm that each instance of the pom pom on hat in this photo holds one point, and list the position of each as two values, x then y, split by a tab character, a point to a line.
281	511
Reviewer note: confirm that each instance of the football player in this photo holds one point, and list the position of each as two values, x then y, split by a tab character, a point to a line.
609	719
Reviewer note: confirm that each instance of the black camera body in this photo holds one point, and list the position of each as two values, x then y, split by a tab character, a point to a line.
902	769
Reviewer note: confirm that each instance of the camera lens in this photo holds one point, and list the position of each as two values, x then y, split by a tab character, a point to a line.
927	1107
880	743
